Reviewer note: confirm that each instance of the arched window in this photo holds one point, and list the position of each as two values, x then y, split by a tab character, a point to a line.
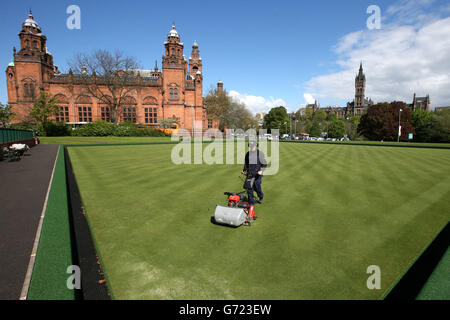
35	44
175	94
173	51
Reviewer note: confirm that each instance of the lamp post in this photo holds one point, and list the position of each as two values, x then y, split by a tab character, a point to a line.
399	127
295	129
286	125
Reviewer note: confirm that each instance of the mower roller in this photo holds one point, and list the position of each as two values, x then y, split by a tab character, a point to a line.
238	211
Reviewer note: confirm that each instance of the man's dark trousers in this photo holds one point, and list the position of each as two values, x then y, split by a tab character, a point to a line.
257	188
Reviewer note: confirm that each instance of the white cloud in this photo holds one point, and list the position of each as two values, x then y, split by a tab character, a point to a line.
398	60
257	103
308	98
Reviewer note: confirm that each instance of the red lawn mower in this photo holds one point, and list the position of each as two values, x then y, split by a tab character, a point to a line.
239	211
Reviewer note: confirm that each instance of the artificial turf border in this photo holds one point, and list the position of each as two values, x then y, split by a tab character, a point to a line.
54	252
409	284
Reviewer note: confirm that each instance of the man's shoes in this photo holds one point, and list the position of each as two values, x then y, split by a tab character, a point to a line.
260	201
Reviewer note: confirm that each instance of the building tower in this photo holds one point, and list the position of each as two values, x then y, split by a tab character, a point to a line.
32	66
174	67
195	61
360	87
220	85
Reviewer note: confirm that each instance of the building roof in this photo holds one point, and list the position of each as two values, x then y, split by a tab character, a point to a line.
173	32
30	21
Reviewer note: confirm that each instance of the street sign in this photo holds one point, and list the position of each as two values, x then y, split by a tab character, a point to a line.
410	136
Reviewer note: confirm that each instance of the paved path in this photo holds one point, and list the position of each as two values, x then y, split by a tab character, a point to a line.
23	187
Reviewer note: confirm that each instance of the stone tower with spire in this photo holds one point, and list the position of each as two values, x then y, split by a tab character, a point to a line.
360	88
360	102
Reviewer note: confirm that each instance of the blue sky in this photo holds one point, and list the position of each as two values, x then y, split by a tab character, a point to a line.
266	53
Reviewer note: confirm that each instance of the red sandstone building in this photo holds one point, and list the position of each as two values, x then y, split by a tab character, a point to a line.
173	92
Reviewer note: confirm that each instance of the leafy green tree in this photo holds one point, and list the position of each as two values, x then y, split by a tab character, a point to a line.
336	129
315	130
277	118
44	108
309	113
320	115
6	114
441	126
331	117
422	120
351	127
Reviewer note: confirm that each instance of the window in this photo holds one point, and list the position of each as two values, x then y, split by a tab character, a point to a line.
173	94
151	115
210	124
35	44
106	114
63	114
85	114
28	90
129	114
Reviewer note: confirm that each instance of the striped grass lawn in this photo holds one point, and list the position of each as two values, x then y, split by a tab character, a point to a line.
329	213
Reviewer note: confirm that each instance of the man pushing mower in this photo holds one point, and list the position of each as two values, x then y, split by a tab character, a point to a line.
255	164
241	211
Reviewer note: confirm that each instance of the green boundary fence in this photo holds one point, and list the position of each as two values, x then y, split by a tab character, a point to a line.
11	135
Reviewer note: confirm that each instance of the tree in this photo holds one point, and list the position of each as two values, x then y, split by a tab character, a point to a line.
441	126
331	117
320	115
351	127
277	118
44	107
422	120
6	114
108	77
315	129
167	123
230	113
381	122
336	129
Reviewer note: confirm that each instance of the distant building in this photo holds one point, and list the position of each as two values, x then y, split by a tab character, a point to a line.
360	104
314	106
422	103
441	108
338	111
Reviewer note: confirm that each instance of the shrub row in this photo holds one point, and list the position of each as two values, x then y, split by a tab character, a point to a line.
126	129
94	129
